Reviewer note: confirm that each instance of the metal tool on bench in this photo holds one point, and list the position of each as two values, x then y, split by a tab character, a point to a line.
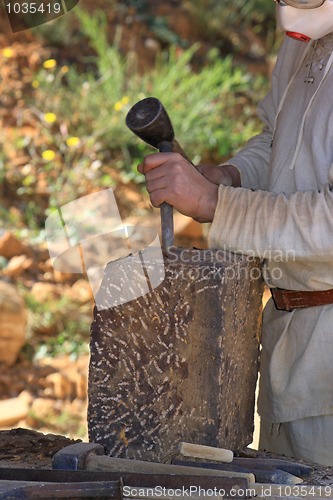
43	483
74	475
297	469
265	470
90	456
149	120
267	474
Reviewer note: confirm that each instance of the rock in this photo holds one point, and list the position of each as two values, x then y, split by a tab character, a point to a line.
45	292
80	292
60	277
10	246
17	265
14	409
13	318
59	386
45	266
40	411
69	383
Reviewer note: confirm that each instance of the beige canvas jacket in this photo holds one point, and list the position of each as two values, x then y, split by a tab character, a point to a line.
283	213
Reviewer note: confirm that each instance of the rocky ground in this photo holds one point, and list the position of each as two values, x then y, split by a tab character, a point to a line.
49	393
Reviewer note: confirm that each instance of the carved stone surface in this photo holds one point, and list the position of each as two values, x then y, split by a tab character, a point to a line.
179	363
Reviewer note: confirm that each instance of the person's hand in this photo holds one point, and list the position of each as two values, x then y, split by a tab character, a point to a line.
172	179
220	174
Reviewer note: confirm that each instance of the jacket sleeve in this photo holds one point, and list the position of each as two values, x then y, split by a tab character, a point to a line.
252	160
251	222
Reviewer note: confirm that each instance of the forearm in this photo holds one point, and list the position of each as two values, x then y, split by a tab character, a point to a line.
258	221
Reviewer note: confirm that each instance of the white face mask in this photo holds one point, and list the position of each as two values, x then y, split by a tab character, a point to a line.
305	23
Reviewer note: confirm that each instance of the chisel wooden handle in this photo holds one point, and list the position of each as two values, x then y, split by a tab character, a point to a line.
206	452
124	465
268	475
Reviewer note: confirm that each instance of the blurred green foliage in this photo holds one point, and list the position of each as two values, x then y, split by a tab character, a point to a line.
201	103
82	132
230	14
237	22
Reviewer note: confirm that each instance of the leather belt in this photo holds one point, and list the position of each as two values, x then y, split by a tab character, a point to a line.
288	300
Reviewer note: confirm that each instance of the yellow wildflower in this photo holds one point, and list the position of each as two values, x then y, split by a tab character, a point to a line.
72	142
50	117
64	69
49	63
118	106
48	155
35	84
7	52
125	100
